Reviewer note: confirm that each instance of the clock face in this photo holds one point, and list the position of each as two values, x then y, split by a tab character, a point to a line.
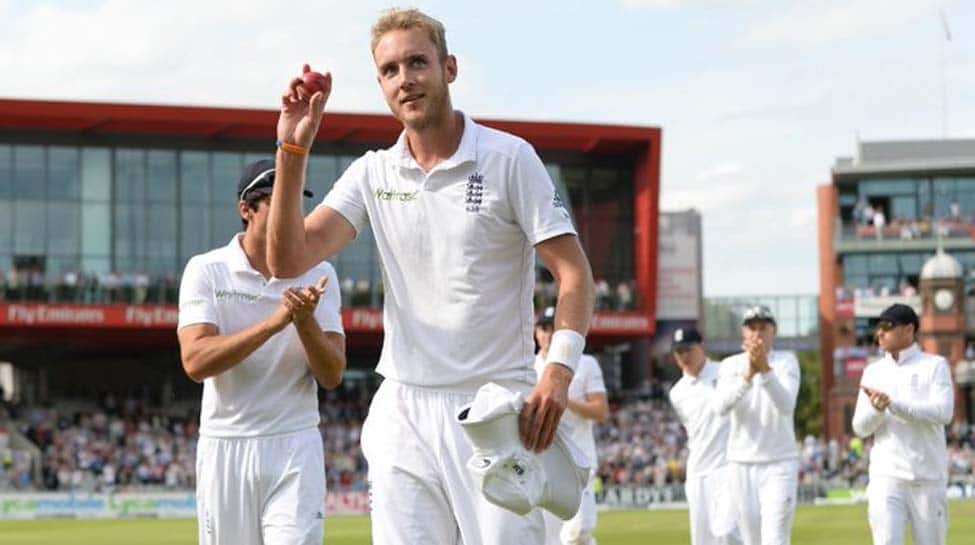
943	299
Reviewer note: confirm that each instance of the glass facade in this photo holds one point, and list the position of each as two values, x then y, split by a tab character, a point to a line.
99	224
600	198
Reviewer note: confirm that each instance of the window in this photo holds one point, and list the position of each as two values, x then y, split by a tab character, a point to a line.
29	172
63	180
6	171
30	227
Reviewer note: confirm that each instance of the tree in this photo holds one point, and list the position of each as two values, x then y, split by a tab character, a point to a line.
809	413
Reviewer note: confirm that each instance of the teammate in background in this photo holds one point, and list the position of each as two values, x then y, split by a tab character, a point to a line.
906	399
694	400
458	212
587	404
259	344
759	387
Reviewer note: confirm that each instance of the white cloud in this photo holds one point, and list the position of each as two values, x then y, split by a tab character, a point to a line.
186	52
717	171
813	23
654	3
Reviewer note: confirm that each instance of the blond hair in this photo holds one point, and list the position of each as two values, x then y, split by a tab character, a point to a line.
408	19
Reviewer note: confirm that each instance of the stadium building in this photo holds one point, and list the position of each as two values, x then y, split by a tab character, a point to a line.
896	225
101	206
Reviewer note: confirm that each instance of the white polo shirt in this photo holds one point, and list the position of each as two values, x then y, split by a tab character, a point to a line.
909	437
272	391
694	401
761	410
588	379
457	248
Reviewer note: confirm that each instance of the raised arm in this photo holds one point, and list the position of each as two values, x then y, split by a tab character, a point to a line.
296	244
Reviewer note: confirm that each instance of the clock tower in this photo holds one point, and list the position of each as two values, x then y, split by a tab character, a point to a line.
943	314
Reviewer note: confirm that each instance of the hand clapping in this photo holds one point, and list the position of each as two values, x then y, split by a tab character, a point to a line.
302	302
757	351
878	399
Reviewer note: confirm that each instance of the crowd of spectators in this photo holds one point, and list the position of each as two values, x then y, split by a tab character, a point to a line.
127	446
105	446
33	285
619	298
905	289
871	221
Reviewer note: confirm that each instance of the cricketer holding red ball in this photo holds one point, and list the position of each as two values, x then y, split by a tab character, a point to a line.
458	211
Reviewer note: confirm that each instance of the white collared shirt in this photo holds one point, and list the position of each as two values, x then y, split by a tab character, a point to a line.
694	400
762	409
909	437
272	390
587	379
457	248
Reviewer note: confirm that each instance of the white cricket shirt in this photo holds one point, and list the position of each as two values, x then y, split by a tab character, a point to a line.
457	248
587	379
761	410
272	391
909	437
695	401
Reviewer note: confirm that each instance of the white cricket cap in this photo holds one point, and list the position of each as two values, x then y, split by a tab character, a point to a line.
509	475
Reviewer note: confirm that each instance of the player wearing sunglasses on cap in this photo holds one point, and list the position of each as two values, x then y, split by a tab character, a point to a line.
905	401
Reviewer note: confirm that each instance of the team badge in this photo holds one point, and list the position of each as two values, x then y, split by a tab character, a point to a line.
475	192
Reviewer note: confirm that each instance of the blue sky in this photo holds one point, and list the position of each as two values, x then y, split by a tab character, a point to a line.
755	98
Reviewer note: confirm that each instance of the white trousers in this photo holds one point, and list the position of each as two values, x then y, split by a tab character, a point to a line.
711	508
420	489
266	490
766	495
892	503
580	529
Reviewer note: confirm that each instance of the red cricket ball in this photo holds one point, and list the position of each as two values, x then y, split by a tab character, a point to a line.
312	82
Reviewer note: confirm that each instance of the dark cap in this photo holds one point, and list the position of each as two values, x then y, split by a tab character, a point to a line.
758	313
683	337
899	314
547	317
258	178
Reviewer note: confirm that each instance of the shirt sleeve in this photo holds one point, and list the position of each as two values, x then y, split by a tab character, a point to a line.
346	196
677	407
329	311
939	405
782	384
866	419
731	386
538	208
197	304
594	382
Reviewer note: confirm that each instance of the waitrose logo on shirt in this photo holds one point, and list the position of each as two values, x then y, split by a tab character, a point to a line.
239	296
389	195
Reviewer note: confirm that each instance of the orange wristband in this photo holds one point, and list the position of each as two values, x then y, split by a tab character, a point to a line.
292	148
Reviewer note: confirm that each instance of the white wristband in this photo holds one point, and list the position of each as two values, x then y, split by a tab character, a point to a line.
566	348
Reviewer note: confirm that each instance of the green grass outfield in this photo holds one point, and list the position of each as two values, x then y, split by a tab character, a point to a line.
834	525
